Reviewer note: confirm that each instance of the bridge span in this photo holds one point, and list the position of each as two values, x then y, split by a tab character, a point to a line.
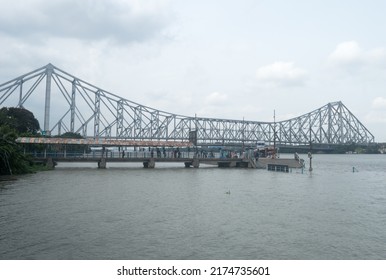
64	103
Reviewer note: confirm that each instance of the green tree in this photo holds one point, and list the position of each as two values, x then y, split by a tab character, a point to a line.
71	135
13	123
20	119
12	159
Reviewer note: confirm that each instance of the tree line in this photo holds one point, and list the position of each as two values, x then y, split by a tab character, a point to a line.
15	122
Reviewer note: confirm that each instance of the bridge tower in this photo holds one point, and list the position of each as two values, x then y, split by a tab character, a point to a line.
47	104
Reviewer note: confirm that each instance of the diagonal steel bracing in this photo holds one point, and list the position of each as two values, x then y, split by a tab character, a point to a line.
66	103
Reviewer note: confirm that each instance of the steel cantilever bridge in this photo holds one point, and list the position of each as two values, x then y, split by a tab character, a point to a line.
66	103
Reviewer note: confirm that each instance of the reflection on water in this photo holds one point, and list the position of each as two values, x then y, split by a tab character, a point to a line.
170	212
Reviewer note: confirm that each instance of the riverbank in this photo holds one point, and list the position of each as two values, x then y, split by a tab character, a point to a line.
31	169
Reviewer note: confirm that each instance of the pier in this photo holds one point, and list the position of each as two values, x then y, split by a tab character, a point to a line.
103	151
148	162
279	164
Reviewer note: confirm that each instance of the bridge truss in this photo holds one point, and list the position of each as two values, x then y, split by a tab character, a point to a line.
66	103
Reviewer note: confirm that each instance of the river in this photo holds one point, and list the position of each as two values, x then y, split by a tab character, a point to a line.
170	212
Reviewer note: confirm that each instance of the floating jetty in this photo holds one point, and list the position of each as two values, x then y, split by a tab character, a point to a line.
168	153
278	164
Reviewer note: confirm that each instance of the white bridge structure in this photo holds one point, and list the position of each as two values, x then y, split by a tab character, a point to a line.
64	103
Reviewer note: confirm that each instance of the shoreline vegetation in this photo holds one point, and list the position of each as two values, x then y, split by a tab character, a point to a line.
15	122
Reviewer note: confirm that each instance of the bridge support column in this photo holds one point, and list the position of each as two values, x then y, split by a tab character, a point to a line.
50	163
149	164
196	163
102	163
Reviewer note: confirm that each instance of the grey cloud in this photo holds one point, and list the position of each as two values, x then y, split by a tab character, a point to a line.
121	21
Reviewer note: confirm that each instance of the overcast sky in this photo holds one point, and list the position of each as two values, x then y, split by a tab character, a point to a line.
224	59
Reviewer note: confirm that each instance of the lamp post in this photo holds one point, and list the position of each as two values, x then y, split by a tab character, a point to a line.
274	134
310	153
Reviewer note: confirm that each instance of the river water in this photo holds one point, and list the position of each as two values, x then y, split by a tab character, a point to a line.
170	212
